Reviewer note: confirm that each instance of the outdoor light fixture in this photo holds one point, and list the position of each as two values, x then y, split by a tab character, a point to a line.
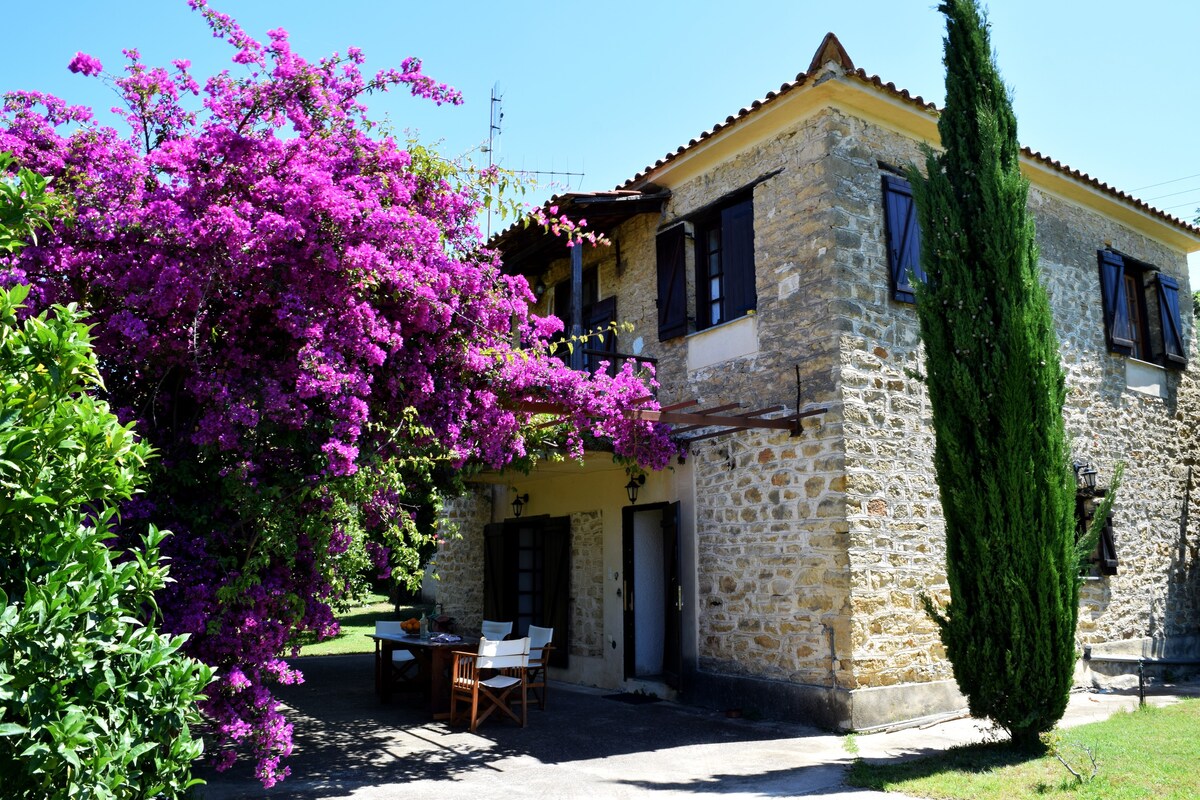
1085	474
1088	474
633	486
539	288
519	503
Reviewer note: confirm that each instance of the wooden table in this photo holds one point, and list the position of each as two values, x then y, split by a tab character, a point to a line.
434	659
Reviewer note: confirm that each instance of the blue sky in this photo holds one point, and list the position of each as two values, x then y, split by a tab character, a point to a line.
606	88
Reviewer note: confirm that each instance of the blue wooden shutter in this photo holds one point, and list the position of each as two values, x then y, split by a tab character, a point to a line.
1174	349
1117	328
737	259
903	238
1106	549
600	316
672	284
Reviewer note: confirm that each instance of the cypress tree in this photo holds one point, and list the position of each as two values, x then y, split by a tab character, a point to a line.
997	389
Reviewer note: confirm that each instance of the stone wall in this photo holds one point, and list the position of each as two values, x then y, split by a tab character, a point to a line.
896	530
587	584
1154	594
896	534
772	570
813	552
773	586
459	560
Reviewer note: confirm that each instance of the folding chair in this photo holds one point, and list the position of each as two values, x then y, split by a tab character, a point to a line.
505	663
539	657
496	631
404	668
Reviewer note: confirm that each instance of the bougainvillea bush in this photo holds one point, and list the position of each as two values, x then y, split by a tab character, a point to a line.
297	313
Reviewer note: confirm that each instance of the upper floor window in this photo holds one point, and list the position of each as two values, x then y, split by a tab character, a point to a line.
723	239
725	264
1141	310
597	320
903	238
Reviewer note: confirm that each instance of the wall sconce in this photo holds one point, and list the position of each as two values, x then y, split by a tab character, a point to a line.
1085	475
519	502
539	288
633	486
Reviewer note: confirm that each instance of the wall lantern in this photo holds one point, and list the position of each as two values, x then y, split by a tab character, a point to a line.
633	486
519	503
1085	475
539	288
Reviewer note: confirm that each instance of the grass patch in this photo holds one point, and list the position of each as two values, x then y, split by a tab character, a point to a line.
1148	753
356	624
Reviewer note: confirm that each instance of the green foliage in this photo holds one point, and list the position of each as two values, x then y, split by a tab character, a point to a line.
24	205
1151	752
997	392
93	702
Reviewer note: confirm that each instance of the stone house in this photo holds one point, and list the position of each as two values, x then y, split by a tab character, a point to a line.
765	264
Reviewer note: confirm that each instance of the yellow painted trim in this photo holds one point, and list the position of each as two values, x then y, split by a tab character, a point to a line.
851	95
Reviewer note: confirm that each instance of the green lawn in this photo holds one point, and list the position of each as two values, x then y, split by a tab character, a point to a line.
1149	753
356	624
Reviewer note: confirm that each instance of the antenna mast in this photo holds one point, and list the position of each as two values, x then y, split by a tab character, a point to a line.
496	117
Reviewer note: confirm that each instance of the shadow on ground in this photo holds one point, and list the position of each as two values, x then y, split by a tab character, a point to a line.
347	743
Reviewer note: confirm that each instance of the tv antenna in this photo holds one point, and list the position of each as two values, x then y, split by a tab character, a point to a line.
495	128
496	118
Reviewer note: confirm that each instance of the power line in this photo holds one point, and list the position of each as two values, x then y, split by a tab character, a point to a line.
1173	194
1164	183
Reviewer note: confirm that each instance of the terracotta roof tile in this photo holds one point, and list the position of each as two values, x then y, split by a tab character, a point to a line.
918	102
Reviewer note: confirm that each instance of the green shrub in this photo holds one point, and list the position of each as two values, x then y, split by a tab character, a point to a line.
93	701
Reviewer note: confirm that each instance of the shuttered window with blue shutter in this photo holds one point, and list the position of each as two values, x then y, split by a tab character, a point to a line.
1174	348
903	238
1118	330
1141	310
672	284
725	287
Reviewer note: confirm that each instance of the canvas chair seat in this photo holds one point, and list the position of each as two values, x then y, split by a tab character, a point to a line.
490	680
500	681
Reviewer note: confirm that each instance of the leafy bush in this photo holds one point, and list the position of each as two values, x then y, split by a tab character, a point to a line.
93	702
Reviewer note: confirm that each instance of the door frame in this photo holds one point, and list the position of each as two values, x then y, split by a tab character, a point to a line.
673	590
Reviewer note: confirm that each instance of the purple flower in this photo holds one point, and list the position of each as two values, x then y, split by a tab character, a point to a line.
88	65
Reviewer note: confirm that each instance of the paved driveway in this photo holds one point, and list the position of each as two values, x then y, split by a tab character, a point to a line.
582	746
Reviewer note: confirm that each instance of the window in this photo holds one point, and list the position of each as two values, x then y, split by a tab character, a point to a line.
903	238
597	320
723	239
725	264
1141	310
527	577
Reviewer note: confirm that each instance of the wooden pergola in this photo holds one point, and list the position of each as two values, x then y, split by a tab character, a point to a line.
709	423
705	423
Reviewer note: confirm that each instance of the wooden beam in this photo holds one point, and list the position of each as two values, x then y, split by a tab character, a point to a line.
716	409
677	406
761	411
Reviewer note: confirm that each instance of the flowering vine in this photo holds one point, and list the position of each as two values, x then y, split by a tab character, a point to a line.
299	315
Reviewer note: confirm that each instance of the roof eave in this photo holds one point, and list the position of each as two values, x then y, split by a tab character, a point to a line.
868	97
